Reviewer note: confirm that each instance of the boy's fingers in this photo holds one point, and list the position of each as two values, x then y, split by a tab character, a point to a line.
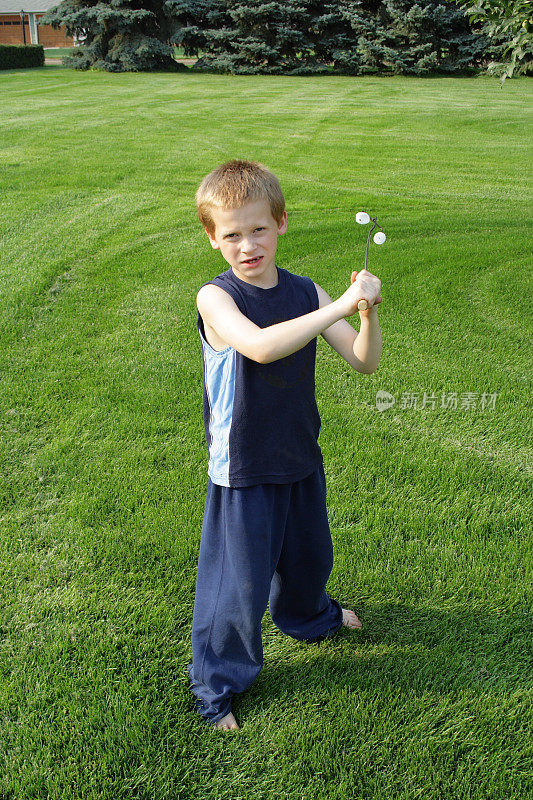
376	302
354	276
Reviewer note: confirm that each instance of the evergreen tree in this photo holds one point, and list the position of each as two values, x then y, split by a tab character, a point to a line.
120	35
347	36
195	18
250	36
417	38
333	39
359	36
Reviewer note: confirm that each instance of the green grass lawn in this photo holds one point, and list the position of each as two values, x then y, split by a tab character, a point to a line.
104	462
59	52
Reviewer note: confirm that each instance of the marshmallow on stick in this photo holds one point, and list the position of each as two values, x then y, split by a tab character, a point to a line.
363	219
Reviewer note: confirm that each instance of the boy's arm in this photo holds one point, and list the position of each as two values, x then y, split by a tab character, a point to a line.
265	345
362	350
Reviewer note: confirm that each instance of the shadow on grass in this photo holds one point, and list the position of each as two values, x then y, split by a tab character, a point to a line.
401	649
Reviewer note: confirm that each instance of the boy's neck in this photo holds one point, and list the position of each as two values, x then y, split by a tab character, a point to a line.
265	281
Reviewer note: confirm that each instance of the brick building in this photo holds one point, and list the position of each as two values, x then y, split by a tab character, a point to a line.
13	32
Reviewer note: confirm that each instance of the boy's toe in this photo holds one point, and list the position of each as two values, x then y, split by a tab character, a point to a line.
350	620
227	723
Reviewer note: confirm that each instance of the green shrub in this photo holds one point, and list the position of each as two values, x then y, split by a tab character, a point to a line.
13	56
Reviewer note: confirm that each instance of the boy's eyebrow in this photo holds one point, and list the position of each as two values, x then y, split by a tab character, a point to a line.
228	231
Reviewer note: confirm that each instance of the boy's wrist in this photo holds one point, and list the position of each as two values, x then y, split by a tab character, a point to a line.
370	313
341	308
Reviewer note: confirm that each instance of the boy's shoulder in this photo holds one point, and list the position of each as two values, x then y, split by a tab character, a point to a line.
293	294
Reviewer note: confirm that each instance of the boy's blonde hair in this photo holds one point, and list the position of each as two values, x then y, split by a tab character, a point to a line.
235	183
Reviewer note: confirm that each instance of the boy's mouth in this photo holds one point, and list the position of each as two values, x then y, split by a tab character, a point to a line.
251	262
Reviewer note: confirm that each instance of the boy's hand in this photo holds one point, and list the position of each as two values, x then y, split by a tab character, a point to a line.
364	286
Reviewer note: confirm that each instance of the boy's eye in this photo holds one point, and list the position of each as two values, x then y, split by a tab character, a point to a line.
259	229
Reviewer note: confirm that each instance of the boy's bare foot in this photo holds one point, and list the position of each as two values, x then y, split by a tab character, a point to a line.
349	620
227	723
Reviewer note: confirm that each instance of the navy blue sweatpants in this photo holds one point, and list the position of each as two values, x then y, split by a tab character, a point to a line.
269	543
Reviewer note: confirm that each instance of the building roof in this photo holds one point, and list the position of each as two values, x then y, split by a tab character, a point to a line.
15	6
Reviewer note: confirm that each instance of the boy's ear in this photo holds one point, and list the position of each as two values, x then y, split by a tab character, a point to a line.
282	225
214	243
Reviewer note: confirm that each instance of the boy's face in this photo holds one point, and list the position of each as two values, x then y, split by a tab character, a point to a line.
247	237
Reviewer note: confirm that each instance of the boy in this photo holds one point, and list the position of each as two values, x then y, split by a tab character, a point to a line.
265	535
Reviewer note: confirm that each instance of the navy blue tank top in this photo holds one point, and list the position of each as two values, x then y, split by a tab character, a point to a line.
261	420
